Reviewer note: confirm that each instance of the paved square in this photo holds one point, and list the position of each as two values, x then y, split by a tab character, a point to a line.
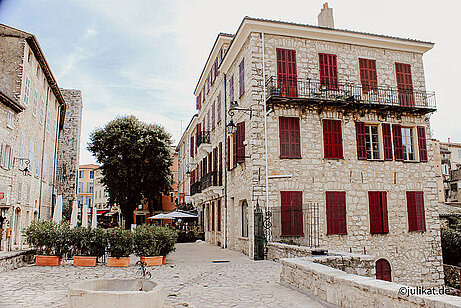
190	277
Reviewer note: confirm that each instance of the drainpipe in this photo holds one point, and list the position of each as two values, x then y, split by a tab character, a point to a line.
224	168
43	153
56	149
265	127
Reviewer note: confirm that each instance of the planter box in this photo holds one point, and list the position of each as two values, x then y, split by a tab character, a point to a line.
120	262
41	260
84	261
164	260
152	261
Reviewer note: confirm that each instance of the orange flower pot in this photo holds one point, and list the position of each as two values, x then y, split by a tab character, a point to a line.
47	260
164	260
84	261
120	262
152	261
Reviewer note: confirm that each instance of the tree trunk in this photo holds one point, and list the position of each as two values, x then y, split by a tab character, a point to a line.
128	220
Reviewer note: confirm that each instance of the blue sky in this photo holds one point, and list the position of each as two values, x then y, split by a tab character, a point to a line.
144	57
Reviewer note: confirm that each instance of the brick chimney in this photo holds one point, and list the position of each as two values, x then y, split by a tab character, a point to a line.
325	18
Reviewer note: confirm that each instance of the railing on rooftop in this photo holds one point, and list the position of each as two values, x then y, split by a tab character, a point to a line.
203	137
195	188
288	88
213	178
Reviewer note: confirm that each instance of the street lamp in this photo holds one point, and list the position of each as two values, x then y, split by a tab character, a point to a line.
230	127
25	162
189	165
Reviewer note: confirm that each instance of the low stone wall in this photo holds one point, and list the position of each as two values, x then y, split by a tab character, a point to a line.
452	275
13	259
348	290
351	263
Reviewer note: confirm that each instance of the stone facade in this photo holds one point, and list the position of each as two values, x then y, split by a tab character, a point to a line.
30	135
414	257
447	158
15	259
69	148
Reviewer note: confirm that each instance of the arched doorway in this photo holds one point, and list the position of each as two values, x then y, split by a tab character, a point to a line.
17	226
383	270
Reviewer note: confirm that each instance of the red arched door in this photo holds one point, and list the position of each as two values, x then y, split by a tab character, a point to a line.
383	270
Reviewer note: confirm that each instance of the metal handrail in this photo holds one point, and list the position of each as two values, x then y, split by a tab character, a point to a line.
203	137
317	90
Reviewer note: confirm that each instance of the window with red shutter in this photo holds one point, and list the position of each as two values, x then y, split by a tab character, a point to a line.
404	84
387	141
197	102
290	144
220	157
292	214
398	146
422	143
336	212
192	146
231	89
332	139
212	216
328	71
215	159
368	76
219	108
234	149
240	140
241	78
361	141
213	120
415	208
228	153
378	212
383	270
219	214
287	76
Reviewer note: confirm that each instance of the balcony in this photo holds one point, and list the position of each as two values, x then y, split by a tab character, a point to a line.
313	92
203	138
213	178
195	188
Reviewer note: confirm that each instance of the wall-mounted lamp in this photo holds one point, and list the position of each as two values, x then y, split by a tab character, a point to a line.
231	127
189	165
24	162
234	106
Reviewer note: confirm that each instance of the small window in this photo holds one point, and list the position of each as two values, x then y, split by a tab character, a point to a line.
48	117
42	112
336	212
91	174
332	139
408	144
241	78
372	141
89	188
231	89
81	174
415	207
244	218
10	119
26	91
292	213
378	212
34	107
290	144
368	76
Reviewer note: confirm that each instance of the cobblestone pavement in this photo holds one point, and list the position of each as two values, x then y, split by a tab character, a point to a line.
190	278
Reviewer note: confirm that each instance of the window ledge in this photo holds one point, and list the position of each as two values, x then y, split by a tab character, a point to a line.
290	157
243	238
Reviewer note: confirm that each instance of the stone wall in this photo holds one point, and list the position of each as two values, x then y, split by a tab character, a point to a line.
69	147
15	259
348	290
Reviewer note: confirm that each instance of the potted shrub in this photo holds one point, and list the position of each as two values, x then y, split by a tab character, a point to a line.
167	240
88	244
120	247
146	245
51	241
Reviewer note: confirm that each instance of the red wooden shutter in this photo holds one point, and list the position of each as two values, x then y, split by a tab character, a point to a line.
290	145
219	108
231	89
212	216
332	139
220	157
215	159
368	75
361	140
234	149
383	270
328	71
404	84
292	218
213	120
192	146
284	137
415	208
219	214
336	212
422	143
376	225
384	214
294	136
242	78
398	146
387	141
286	72
240	139
197	102
228	153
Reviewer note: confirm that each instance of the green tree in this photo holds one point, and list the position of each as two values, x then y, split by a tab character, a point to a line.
135	160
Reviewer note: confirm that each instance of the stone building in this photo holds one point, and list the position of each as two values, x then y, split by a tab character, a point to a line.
447	158
324	130
69	149
31	117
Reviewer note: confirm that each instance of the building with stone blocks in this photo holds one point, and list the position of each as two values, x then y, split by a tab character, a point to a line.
31	116
69	149
324	130
447	159
184	164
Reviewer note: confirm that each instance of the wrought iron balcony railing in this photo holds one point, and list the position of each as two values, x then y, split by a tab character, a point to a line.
203	137
213	178
280	89
195	188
